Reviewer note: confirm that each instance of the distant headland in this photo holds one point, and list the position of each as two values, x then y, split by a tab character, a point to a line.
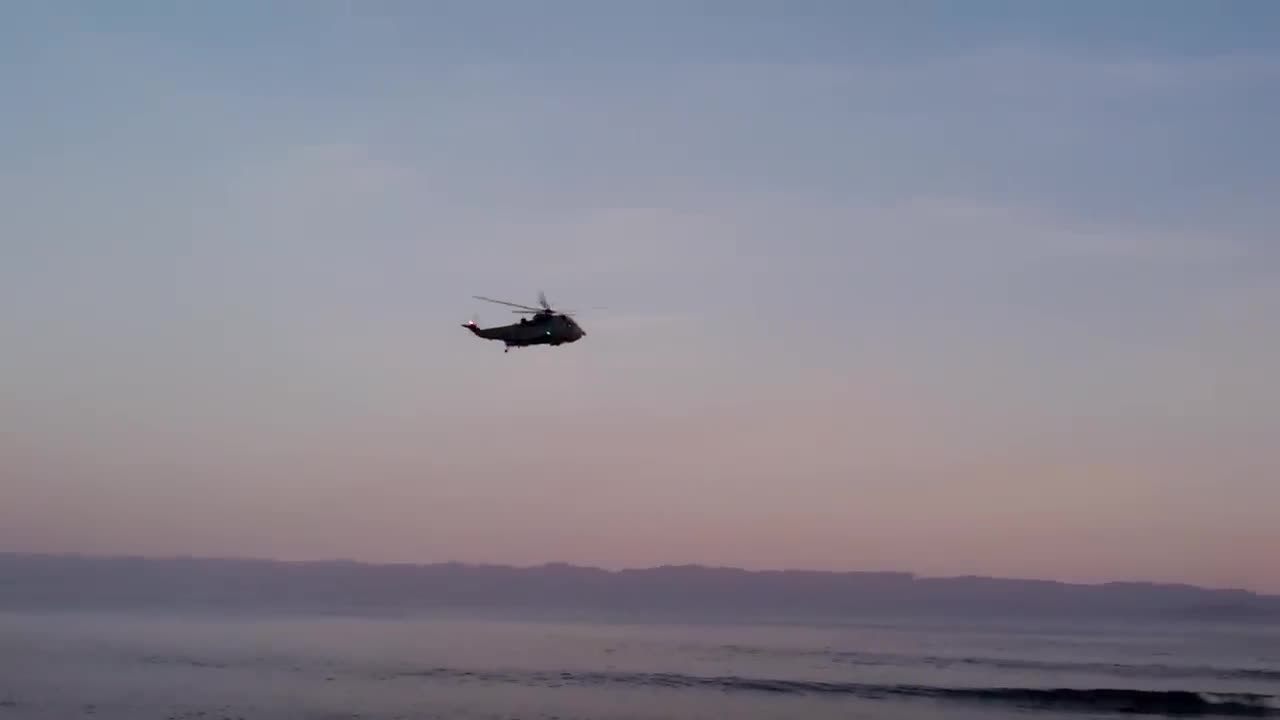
56	582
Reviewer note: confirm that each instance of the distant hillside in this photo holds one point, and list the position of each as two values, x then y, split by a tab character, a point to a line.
67	582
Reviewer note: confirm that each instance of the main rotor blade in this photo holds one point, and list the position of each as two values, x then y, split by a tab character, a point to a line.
504	302
544	312
542	298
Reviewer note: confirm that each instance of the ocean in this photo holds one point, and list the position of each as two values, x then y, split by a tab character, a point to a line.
139	666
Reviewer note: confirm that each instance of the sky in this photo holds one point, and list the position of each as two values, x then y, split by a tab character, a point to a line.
951	288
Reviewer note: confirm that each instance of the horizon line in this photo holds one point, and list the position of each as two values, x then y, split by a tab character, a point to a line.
907	574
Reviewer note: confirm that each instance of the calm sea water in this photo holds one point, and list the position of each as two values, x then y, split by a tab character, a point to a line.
137	667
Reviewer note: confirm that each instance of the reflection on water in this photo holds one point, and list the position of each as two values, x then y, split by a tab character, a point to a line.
171	666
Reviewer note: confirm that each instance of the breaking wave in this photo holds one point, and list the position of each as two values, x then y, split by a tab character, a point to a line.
1179	672
1117	700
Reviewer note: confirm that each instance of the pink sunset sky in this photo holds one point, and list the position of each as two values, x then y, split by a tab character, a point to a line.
999	300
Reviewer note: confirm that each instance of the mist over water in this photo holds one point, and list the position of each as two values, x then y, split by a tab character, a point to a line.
185	665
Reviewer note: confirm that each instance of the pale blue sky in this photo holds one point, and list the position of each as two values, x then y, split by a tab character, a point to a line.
951	287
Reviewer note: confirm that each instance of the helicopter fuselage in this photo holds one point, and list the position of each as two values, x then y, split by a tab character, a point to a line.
542	329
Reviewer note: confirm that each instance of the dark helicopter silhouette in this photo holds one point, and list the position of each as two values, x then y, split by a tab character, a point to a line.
546	327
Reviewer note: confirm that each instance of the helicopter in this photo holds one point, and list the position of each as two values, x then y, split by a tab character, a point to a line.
547	326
